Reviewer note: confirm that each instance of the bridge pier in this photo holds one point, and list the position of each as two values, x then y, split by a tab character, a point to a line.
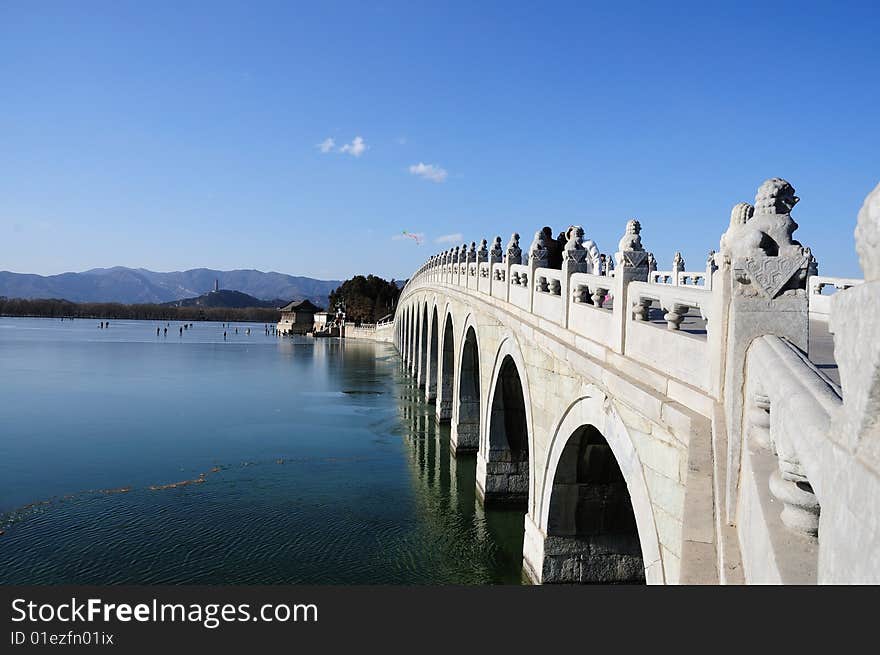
464	437
503	478
444	410
579	560
502	481
591	534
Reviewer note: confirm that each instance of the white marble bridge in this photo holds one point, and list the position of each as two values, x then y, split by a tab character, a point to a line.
682	426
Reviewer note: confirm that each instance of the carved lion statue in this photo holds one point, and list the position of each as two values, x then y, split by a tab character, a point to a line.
514	252
631	239
775	196
483	251
497	252
574	238
767	231
538	250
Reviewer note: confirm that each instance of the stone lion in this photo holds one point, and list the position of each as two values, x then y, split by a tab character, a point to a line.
769	228
538	250
496	252
631	239
514	252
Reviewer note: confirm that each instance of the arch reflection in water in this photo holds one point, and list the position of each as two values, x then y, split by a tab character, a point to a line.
460	534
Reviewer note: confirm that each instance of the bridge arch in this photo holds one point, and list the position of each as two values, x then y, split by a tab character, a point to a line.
411	336
446	367
414	348
406	335
414	339
505	463
431	361
413	322
422	363
403	328
590	421
466	409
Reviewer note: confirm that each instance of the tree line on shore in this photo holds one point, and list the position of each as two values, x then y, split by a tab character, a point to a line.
55	308
366	299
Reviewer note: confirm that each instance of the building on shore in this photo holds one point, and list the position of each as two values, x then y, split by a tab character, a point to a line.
321	320
297	317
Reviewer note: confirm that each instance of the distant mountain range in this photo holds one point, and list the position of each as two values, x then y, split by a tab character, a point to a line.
138	285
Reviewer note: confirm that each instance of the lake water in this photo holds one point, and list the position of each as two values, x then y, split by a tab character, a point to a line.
131	458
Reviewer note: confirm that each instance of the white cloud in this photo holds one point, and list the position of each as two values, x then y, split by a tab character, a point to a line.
356	148
326	145
458	237
429	172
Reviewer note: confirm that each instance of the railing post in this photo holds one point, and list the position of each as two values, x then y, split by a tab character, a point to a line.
711	267
677	268
513	256
632	266
762	286
496	255
574	260
539	257
482	258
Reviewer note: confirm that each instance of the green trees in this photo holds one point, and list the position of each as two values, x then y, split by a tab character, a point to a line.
367	299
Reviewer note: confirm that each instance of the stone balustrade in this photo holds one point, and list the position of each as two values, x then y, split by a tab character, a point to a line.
584	302
682	278
675	299
789	408
383	331
820	303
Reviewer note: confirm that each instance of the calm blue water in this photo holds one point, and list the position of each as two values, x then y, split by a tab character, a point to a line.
131	458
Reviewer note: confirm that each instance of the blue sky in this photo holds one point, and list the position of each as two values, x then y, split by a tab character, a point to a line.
178	135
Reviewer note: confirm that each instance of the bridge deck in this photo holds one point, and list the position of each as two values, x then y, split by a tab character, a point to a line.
822	350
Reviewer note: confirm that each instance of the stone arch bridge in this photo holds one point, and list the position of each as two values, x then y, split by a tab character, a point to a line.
681	426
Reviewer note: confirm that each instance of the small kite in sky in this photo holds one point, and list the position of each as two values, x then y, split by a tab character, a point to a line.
415	237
